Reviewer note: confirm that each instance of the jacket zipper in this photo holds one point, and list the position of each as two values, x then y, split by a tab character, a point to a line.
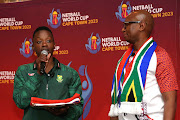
47	90
47	86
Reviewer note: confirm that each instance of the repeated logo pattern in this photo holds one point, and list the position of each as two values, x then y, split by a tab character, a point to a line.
94	44
54	18
87	88
123	11
26	49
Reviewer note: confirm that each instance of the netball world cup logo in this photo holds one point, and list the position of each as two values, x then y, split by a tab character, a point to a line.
94	44
26	49
124	11
87	88
54	18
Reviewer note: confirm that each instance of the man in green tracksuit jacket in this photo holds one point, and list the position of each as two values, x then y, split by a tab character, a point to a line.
56	82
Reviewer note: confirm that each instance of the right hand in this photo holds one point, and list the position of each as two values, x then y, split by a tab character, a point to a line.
42	58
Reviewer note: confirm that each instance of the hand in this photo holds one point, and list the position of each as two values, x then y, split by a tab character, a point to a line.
113	118
58	110
42	58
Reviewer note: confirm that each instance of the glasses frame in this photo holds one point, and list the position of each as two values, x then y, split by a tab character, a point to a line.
126	23
131	22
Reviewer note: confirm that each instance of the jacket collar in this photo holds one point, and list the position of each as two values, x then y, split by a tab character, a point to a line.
56	64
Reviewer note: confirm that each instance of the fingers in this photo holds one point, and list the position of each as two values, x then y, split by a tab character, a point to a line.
42	58
58	111
48	57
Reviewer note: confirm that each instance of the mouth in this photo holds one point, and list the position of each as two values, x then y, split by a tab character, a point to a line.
125	35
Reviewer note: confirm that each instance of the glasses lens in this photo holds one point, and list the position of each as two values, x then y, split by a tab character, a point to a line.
129	22
132	22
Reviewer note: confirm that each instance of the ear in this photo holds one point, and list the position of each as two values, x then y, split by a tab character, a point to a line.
34	50
142	26
32	46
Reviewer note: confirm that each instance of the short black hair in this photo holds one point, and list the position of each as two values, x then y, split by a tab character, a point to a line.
42	28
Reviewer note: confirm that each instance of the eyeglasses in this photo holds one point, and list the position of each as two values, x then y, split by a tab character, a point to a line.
129	22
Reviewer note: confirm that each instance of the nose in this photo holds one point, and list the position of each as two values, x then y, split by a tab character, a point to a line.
44	43
123	29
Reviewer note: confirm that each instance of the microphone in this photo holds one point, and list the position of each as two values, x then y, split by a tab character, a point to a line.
43	64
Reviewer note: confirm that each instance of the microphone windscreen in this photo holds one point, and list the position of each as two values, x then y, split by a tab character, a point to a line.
45	52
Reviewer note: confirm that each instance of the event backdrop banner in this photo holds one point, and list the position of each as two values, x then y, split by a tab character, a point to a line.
88	38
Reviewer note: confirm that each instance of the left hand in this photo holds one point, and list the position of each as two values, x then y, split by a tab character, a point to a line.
58	110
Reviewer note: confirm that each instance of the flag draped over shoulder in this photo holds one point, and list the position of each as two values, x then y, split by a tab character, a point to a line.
131	80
